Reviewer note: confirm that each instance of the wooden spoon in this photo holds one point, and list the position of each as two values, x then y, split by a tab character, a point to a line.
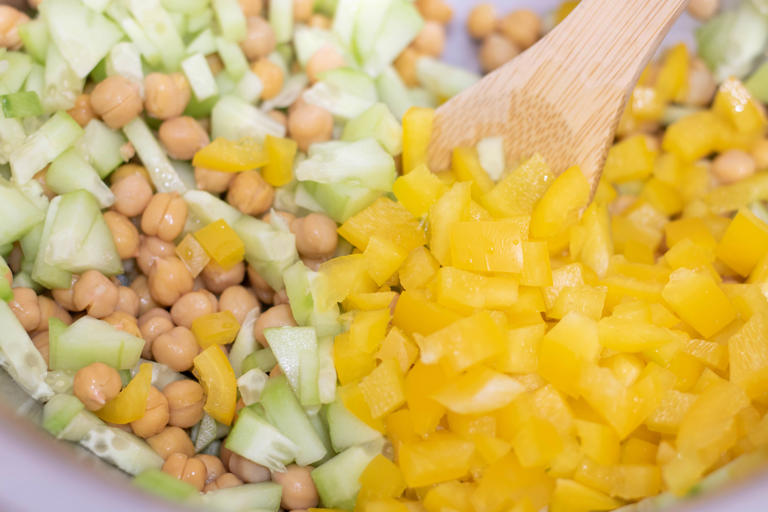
564	96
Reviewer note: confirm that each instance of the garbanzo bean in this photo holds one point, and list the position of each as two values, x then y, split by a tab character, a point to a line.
191	306
26	307
185	402
124	233
132	195
169	279
41	341
271	76
259	40
172	440
10	20
701	84
214	468
140	286
239	300
95	293
279	116
316	235
280	297
435	10
250	194
302	10
215	63
187	469
124	322
308	124
732	166
214	182
431	39
481	21
276	316
116	100
182	137
64	297
96	384
128	301
156	416
286	216
263	291
164	216
405	64
152	324
496	51
166	96
225	481
82	112
176	349
522	27
49	309
247	470
324	59
703	10
318	20
251	7
299	491
218	279
151	249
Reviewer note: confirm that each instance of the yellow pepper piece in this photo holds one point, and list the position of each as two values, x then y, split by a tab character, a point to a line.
466	291
571	496
381	479
281	152
748	356
221	243
736	105
537	443
368	301
418	269
387	219
192	254
439	459
218	379
351	362
520	190
215	328
694	136
451	208
629	160
131	404
744	242
490	246
537	269
383	258
672	81
383	388
465	165
560	206
417	131
353	399
478	391
567	349
698	300
228	156
398	347
418	190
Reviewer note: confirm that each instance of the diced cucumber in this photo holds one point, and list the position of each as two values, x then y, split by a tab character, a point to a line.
83	36
249	87
97	5
378	123
89	340
21	104
344	20
122	449
124	59
402	23
12	136
36	81
244	498
757	83
6	293
251	384
490	151
443	80
82	423
70	172
308	40
245	343
233	57
285	412
199	20
34	35
14	70
61	381
209	208
321	429
40	148
262	359
101	147
162	375
59	411
30	244
326	370
62	85
234	118
422	97
362	163
200	77
180	22
370	18
256	439
159	29
204	42
298	286
340	201
120	15
207	431
344	100
230	19
160	483
185	6
338	480
295	349
346	429
20	358
281	19
47	275
268	250
162	173
393	91
19	214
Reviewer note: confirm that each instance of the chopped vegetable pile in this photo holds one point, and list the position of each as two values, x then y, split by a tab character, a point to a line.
228	270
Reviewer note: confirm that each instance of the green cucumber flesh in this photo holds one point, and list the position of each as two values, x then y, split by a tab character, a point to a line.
44	273
124	450
89	340
59	411
262	359
34	35
21	104
70	172
160	483
21	358
338	480
262	496
346	429
245	343
101	146
257	440
19	214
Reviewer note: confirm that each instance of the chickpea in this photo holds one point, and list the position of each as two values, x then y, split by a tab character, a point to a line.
117	101
128	301
320	21
96	384
126	170
276	316
65	296
169	279
124	233
215	63
299	490
140	286
259	40
152	324
324	59
156	416
279	116
187	469
522	27
250	194
176	349
247	470
132	195
41	341
286	216
405	64
182	137
214	182
280	297
152	249
496	51
316	235
10	20
250	7
49	309
164	216
482	21
218	279
123	322
239	300
185	401
435	10
302	10
271	76
308	124
264	292
82	111
732	166
191	306
172	440
703	10
127	151
225	454
431	39
701	84
166	96
95	293
225	481
760	154
214	468
26	308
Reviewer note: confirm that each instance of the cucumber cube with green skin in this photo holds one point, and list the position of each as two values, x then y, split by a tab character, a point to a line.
259	497
21	104
288	344
345	429
59	412
16	68
38	150
89	340
18	213
378	123
34	35
258	440
70	172
160	483
338	480
340	201
20	357
262	359
124	450
42	272
6	293
101	147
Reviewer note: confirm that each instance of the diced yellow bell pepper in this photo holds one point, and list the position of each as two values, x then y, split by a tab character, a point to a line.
418	269
688	254
561	204
400	348
465	165
399	427
638	451
369	301
662	196
449	496
672	80
667	417
221	243
693	228
420	383
131	403
451	208
192	254
571	496
414	313
734	103
228	156
584	299
598	441
491	246
562	277
217	377
418	190
693	136
697	299
381	479
218	328
351	362
537	269
281	152
417	132
344	276
471	425
383	258
381	505
466	291
506	482
520	190
520	354
627	335
668	169
478	391
591	240
748	356
645	104
353	399
368	329
709	353
744	243
537	443
566	349
386	219
629	160
383	388
441	459
730	198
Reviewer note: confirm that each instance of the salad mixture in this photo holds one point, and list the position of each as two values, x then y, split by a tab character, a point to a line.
228	270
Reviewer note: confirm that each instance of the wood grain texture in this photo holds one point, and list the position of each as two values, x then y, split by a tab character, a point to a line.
564	96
